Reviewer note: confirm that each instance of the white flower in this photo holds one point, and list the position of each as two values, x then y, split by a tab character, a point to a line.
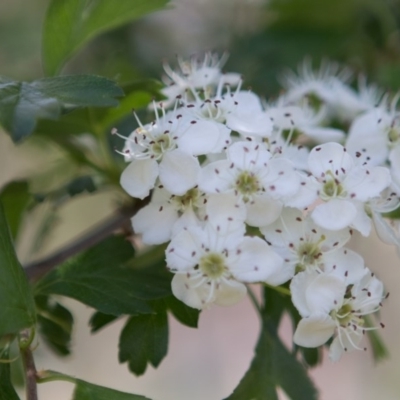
296	120
344	187
196	74
328	306
166	149
305	246
167	214
317	85
211	262
256	178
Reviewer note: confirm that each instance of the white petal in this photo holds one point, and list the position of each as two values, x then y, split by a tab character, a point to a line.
184	251
229	293
216	177
335	214
385	232
362	222
364	183
201	137
258	124
345	264
179	171
223	208
329	157
325	293
247	155
255	261
314	331
281	179
323	135
139	177
263	210
248	102
306	194
182	291
298	287
155	223
287	229
186	220
337	347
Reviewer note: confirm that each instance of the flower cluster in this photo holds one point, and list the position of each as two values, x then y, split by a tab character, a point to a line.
247	191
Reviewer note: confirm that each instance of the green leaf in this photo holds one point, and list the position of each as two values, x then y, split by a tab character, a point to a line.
144	340
7	391
17	309
273	365
100	279
15	197
186	315
23	103
138	95
88	391
70	24
55	324
99	320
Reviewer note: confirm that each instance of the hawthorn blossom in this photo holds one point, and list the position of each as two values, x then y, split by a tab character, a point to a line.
211	262
196	74
166	149
329	306
343	188
255	178
167	214
305	246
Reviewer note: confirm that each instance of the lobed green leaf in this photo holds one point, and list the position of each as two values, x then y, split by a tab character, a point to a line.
7	391
88	391
17	309
70	24
15	197
55	324
100	279
23	103
144	340
274	365
184	314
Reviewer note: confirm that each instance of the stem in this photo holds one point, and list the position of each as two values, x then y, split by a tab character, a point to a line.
51	376
279	289
37	269
29	366
254	300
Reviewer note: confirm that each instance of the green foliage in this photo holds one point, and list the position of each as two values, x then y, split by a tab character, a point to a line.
55	324
70	24
273	365
15	197
139	95
17	309
7	391
184	314
144	340
100	279
88	391
99	320
23	103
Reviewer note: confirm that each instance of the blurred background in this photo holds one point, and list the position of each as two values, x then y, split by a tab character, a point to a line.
263	38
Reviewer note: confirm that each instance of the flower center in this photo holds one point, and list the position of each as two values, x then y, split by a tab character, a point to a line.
332	188
393	135
189	199
247	185
345	315
309	254
212	265
160	144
